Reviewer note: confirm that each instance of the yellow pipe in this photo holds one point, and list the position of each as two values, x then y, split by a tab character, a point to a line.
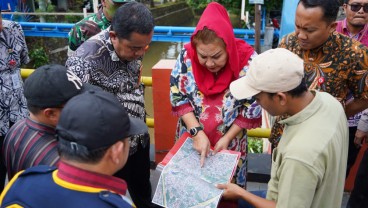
258	132
26	72
146	80
150	122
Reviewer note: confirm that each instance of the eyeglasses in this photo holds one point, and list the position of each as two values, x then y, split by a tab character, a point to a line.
357	7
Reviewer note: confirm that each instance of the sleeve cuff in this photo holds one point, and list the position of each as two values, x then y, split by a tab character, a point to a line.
247	123
182	109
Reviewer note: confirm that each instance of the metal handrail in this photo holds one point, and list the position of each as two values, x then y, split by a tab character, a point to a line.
146	80
161	33
257	132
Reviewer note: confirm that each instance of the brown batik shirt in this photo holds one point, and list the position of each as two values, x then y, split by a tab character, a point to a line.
338	67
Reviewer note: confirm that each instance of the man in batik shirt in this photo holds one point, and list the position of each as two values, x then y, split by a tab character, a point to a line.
334	63
354	26
112	60
93	24
13	105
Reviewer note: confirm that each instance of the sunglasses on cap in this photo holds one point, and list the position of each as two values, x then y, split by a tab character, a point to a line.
357	7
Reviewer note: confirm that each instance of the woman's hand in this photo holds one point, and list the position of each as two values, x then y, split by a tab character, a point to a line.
201	143
223	143
360	136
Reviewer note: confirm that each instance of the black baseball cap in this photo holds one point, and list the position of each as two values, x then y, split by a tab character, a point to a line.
52	86
96	119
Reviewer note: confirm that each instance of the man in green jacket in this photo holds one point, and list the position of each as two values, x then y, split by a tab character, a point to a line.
93	24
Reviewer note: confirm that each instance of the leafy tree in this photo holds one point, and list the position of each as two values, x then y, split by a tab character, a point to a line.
39	57
235	5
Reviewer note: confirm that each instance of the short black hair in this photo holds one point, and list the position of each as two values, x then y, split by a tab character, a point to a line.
81	155
36	109
299	90
296	92
330	8
132	17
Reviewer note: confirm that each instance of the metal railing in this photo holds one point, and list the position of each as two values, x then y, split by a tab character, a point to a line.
258	132
161	33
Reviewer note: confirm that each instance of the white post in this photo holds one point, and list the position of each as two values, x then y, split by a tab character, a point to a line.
84	12
95	5
42	5
242	10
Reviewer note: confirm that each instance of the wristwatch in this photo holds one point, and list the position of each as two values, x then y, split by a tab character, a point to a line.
194	131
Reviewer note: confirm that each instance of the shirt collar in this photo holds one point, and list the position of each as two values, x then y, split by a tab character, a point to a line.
346	31
40	126
83	177
344	26
110	46
306	113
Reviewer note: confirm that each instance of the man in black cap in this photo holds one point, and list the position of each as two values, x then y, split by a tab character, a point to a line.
32	141
93	144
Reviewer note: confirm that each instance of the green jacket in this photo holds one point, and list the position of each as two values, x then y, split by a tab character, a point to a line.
85	29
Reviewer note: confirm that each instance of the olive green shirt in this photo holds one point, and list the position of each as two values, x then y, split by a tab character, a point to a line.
309	164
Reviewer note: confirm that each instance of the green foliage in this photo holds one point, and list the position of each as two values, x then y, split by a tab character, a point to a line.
235	5
255	145
50	8
74	6
273	4
39	57
72	18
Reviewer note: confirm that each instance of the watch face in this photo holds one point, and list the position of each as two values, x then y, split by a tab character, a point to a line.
193	131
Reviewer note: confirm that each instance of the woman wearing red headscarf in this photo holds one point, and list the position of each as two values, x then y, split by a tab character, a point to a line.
200	93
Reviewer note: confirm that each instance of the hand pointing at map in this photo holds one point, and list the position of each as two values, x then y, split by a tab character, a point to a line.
202	145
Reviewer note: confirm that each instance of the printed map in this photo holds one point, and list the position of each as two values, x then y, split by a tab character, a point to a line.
183	183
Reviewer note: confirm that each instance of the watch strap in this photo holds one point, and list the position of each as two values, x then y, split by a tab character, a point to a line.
194	131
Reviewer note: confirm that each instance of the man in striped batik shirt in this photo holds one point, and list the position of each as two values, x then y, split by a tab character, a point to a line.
31	141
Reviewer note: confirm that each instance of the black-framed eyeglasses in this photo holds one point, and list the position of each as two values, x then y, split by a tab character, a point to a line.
357	7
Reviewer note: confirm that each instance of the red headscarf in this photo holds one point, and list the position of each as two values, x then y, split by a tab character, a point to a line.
216	18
